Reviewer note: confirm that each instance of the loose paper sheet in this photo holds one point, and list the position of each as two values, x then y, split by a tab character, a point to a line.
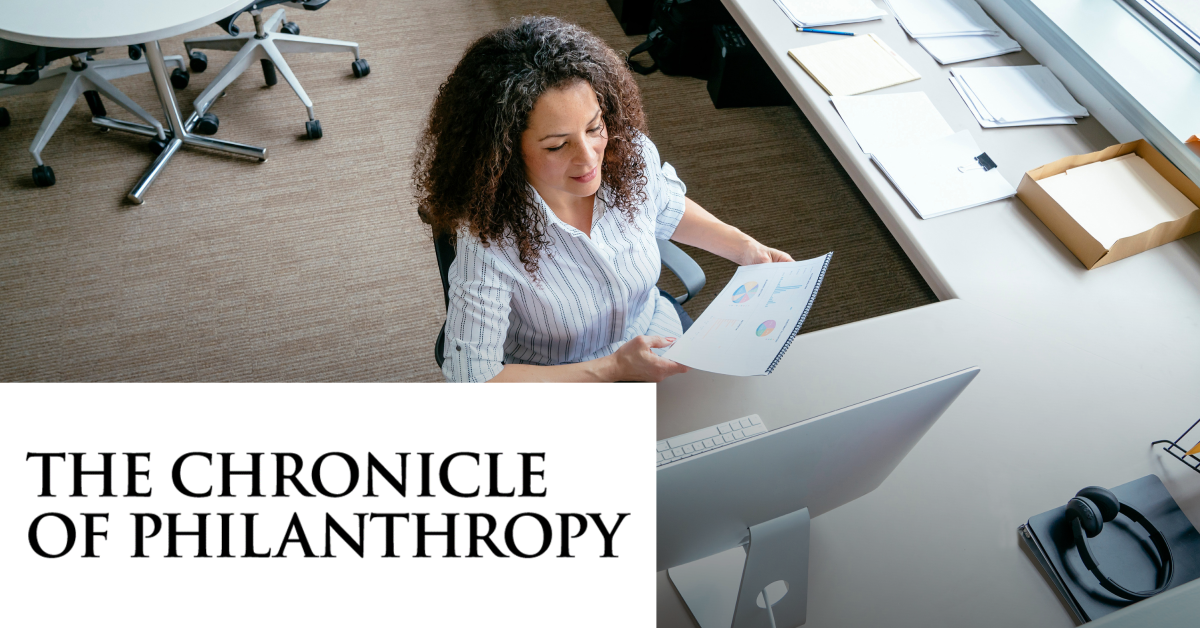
1117	198
973	106
947	50
749	323
884	120
942	18
1019	93
853	65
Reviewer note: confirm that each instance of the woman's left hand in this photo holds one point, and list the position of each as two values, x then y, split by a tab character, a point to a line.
756	253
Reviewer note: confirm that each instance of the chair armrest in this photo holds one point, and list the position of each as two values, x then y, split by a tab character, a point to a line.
684	267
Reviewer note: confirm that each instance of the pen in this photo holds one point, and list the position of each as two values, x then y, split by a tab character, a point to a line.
817	30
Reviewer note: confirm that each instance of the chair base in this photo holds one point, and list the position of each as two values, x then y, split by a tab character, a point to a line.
91	81
267	47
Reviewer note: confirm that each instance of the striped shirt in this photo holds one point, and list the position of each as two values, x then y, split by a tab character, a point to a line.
592	294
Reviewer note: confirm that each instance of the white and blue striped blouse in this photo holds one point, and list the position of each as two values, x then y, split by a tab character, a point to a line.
592	294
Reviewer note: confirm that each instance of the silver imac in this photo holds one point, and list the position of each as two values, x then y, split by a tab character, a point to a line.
760	493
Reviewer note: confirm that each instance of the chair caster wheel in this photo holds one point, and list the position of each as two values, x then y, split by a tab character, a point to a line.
43	176
290	28
313	127
5	119
93	102
198	61
179	78
360	67
207	124
157	146
135	51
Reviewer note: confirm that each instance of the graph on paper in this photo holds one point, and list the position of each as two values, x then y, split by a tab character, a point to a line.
749	326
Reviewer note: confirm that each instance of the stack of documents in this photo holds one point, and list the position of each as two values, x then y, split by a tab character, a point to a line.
1016	96
943	175
952	30
891	120
812	13
853	65
1117	198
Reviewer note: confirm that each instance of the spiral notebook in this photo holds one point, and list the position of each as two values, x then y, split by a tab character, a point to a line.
752	322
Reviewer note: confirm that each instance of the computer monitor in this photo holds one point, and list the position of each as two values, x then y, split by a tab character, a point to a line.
761	492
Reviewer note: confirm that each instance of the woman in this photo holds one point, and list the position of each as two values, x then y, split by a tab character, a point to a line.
535	156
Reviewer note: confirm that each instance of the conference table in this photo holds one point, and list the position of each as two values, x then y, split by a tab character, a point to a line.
1080	369
99	24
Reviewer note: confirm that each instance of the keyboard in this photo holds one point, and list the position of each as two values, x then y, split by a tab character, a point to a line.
692	443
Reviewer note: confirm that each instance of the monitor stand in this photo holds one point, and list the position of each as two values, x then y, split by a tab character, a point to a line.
725	590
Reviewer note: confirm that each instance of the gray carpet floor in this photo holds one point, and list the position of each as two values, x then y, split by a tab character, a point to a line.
314	266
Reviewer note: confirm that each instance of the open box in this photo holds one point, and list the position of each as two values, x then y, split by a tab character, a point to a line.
1078	239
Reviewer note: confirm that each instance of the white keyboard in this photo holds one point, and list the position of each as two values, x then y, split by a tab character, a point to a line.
692	443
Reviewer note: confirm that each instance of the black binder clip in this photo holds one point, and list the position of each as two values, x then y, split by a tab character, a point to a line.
985	164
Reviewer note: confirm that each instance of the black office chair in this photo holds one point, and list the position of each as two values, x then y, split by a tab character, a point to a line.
673	257
266	45
85	75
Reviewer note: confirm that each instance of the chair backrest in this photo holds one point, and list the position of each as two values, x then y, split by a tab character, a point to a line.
444	251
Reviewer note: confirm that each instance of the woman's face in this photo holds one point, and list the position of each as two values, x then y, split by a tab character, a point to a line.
563	146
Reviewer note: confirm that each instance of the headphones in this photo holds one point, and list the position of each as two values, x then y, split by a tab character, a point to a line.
1088	511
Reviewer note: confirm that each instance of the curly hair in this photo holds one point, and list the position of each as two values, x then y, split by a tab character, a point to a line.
469	171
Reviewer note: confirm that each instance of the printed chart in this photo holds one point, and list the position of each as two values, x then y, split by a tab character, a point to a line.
751	322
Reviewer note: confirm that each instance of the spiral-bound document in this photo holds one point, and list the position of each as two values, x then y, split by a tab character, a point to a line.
751	323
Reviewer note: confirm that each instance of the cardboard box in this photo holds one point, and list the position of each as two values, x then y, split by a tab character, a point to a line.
1086	247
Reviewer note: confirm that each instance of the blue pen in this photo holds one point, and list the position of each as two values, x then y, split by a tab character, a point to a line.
817	30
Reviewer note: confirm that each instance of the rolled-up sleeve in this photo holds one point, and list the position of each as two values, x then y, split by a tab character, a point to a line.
477	317
664	191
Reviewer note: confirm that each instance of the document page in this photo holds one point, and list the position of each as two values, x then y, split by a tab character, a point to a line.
887	120
942	18
749	325
853	65
941	176
1015	93
1117	198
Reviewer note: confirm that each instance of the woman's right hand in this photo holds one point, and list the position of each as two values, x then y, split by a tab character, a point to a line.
635	362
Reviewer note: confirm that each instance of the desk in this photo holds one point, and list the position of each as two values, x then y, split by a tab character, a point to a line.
936	544
96	24
1080	371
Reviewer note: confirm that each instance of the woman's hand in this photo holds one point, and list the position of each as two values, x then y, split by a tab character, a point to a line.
757	253
634	362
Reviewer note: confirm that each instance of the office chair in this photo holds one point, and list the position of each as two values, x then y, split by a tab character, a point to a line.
267	46
85	75
673	257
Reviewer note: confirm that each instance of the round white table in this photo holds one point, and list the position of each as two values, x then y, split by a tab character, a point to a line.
102	23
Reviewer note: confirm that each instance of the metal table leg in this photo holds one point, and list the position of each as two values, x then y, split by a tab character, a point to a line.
177	131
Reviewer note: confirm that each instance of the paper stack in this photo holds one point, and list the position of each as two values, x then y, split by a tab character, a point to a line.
853	65
814	13
952	30
1016	96
943	175
1117	198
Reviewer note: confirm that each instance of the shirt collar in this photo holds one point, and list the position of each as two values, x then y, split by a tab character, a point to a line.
599	206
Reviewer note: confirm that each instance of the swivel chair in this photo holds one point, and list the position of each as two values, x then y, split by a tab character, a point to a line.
266	45
673	257
85	75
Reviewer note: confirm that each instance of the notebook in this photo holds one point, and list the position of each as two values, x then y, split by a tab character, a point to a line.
1123	557
853	65
886	120
750	325
942	175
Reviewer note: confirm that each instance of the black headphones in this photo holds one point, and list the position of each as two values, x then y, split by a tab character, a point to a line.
1088	511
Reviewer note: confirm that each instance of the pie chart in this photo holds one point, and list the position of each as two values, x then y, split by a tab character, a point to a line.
745	292
766	328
